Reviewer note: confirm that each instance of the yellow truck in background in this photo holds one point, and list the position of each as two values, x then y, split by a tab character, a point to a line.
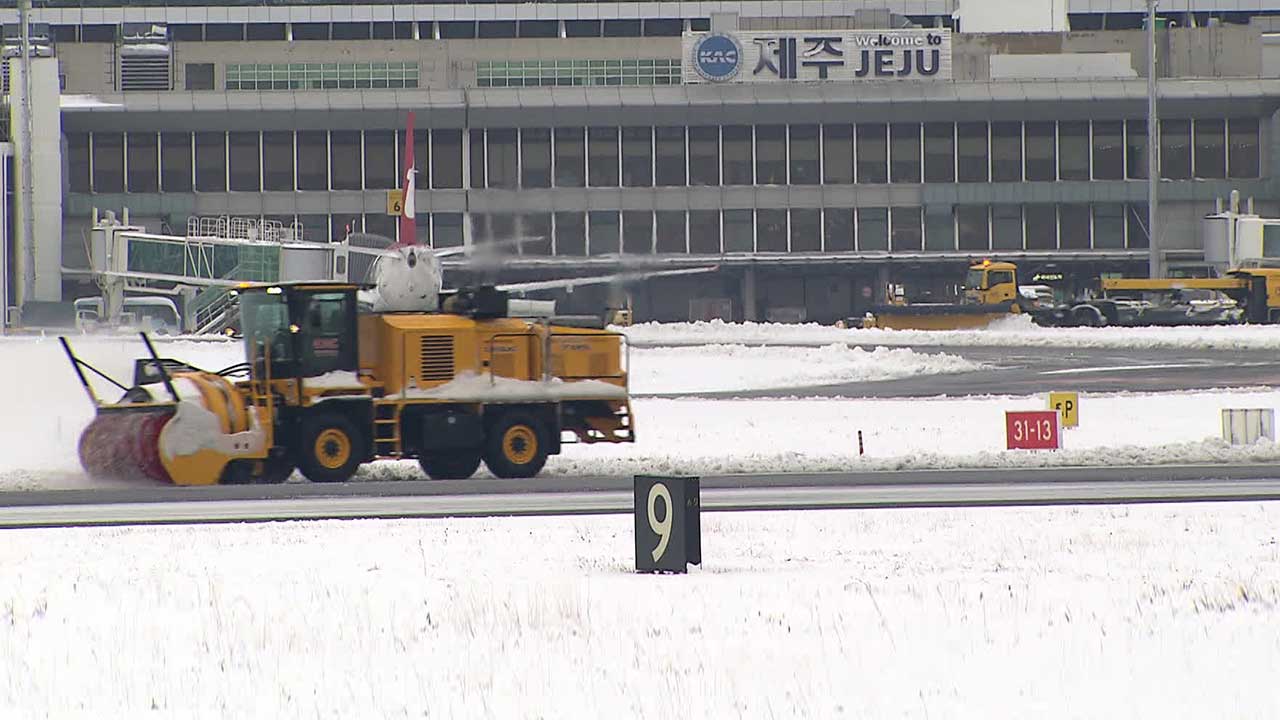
991	291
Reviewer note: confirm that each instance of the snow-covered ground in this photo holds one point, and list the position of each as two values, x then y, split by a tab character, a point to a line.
739	367
46	410
797	435
1117	612
1012	331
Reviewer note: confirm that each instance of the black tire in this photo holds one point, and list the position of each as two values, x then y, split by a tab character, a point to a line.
237	472
276	471
516	445
1089	317
330	448
451	465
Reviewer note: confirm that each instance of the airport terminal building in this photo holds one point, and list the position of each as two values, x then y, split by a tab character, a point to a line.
812	151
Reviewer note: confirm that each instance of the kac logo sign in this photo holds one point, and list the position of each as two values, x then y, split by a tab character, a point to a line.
717	57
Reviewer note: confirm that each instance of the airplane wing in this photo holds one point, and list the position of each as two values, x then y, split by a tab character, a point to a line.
368	250
601	279
481	249
179	279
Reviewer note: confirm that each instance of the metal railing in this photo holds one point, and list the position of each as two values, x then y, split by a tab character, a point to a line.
244	228
215	313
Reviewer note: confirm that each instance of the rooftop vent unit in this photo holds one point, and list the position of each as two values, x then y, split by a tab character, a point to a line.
145	58
11	47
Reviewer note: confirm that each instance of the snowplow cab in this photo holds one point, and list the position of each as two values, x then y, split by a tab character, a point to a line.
302	330
325	388
991	283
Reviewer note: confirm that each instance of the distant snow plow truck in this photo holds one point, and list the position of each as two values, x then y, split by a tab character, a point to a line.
991	292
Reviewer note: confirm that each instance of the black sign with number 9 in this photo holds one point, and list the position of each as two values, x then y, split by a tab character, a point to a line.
668	529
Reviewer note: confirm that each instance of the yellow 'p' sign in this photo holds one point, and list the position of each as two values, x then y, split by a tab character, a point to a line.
395	202
1068	406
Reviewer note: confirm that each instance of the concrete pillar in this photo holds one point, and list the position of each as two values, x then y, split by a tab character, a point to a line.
46	178
467	231
749	312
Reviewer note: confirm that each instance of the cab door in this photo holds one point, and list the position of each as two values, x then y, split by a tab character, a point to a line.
1001	287
326	331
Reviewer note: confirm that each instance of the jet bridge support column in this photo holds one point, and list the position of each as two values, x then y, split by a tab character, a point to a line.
749	312
108	258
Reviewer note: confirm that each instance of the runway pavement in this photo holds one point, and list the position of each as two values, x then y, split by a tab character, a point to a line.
1032	370
149	504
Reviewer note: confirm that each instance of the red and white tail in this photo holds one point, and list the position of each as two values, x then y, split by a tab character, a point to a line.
408	227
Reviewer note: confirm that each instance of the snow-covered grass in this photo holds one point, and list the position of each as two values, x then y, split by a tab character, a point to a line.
739	367
1012	331
1116	612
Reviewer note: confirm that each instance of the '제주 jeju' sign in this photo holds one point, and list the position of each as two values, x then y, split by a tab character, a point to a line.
817	56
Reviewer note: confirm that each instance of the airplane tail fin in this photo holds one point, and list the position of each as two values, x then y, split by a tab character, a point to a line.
408	225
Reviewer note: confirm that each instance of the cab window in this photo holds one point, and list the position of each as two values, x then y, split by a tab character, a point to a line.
326	332
999	277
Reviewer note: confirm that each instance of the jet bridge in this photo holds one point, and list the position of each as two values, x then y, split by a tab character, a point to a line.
124	257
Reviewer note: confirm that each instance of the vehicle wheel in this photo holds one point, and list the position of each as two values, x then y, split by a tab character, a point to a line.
277	470
330	448
237	472
1089	317
456	465
516	446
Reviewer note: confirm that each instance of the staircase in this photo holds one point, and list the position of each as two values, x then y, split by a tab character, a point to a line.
217	314
214	308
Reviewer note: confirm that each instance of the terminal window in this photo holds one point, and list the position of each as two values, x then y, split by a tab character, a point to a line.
541	73
199	76
322	76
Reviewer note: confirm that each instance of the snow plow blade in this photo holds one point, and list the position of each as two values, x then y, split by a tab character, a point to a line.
935	316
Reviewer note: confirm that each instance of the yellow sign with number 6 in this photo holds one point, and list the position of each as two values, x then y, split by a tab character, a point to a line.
1068	406
395	202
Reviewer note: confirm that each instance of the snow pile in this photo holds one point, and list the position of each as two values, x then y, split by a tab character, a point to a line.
472	387
335	380
1134	611
194	428
712	368
1011	331
83	102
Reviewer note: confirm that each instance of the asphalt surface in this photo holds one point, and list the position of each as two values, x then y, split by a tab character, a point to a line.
1033	370
148	504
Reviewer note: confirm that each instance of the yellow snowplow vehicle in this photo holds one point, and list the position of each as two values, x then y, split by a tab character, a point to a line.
990	292
325	389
